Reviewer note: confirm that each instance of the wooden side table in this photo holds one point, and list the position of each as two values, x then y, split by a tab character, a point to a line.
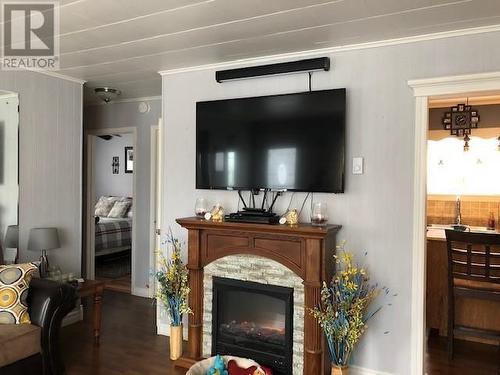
94	289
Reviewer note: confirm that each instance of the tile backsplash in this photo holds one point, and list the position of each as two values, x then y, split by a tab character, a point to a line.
475	211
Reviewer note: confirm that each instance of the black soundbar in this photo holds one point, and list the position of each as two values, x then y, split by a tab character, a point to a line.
308	65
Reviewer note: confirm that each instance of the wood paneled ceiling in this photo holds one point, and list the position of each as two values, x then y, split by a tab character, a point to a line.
124	43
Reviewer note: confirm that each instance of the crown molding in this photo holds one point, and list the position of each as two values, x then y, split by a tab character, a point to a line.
460	84
329	50
60	76
127	100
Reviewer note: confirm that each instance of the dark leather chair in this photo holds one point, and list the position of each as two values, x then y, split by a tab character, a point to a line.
48	303
473	273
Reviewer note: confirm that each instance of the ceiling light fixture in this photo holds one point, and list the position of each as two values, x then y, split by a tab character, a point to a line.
107	94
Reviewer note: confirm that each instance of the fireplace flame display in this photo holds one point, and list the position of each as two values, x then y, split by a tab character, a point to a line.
254	331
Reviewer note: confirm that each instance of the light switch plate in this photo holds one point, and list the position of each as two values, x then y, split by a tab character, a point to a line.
357	165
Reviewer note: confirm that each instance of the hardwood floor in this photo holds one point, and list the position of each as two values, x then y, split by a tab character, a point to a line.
130	346
470	358
121	284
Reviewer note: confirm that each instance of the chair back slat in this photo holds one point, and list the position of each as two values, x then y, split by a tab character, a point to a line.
488	262
473	256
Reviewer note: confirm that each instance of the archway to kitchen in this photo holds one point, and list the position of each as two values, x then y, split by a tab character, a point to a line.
435	97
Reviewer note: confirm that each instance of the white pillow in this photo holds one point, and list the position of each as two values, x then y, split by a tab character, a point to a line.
104	206
119	209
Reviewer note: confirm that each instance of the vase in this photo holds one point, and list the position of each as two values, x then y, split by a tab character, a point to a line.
175	342
340	370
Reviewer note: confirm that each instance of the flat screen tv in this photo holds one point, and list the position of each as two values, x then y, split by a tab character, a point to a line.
292	142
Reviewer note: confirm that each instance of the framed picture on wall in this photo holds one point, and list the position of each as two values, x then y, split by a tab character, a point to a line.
116	165
129	159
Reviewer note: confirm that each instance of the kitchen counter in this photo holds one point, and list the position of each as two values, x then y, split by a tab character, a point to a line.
437	232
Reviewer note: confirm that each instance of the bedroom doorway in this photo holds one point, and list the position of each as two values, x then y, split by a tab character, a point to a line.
110	207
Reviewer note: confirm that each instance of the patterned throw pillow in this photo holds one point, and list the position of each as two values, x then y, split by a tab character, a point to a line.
104	205
120	209
14	284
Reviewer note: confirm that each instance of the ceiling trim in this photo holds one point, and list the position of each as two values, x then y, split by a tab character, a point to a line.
60	76
128	100
328	50
456	84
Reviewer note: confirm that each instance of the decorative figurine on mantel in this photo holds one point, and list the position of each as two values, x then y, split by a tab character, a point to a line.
217	214
290	218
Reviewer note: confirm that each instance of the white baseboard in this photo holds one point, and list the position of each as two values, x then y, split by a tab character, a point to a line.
356	370
141	292
164	330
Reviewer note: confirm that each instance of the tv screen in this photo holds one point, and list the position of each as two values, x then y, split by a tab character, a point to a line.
282	142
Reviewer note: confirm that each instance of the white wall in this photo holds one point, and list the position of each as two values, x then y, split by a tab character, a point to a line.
126	114
107	183
376	209
50	161
9	154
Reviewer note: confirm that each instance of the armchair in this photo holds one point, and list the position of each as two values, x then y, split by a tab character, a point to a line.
48	303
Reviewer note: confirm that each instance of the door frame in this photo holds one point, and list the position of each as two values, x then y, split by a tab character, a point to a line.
90	134
155	202
423	89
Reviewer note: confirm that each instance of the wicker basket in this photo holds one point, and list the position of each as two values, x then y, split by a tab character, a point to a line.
202	367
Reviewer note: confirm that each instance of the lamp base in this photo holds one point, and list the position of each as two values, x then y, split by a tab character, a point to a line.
43	269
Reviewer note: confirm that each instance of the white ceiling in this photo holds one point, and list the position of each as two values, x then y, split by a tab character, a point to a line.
124	43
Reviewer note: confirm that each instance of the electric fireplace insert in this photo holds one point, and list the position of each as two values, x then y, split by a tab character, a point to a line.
253	320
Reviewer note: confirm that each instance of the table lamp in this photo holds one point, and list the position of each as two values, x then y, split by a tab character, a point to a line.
43	239
11	240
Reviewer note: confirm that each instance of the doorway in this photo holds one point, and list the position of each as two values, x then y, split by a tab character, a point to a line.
111	192
425	89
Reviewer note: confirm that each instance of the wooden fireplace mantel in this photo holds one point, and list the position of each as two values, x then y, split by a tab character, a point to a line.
306	250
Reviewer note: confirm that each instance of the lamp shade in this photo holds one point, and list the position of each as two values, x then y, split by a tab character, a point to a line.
43	239
12	237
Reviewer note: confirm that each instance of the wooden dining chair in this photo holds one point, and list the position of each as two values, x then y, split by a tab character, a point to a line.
473	272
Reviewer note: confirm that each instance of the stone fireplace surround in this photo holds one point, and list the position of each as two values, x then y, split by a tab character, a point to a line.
259	270
301	252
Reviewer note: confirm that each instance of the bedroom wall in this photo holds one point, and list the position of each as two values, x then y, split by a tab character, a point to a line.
376	209
107	183
50	162
126	114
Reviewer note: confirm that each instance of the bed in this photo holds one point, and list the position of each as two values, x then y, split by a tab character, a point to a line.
113	235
